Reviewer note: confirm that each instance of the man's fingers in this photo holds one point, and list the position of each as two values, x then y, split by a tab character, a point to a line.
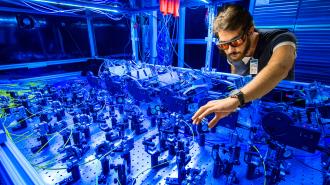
203	108
216	118
204	114
214	121
200	111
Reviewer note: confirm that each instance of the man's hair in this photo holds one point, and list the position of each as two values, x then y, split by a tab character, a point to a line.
232	17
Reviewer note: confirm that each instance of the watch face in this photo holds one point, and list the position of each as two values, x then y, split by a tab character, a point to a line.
234	92
239	95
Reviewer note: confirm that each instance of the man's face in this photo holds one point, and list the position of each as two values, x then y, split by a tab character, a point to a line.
232	39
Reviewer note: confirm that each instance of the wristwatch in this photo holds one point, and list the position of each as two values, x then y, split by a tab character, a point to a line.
239	95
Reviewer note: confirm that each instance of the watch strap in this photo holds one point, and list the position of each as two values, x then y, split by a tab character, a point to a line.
240	96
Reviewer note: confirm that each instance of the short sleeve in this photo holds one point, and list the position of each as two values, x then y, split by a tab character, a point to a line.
286	38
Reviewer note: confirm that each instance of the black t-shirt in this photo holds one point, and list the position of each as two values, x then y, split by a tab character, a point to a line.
268	41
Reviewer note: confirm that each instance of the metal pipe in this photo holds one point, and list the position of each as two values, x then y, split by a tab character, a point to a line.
209	39
181	36
91	35
153	17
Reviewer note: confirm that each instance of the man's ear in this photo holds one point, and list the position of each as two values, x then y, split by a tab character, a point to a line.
251	30
216	35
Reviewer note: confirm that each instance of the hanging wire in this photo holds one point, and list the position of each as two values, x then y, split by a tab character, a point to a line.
44	9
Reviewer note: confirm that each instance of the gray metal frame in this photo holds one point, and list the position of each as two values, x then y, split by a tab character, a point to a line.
18	169
209	39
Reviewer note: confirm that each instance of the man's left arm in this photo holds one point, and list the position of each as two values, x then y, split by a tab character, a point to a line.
276	70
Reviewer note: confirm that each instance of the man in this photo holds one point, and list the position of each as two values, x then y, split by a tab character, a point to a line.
269	56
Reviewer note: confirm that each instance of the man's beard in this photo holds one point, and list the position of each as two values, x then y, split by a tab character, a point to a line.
241	55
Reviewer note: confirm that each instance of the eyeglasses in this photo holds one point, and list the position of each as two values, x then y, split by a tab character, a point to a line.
235	42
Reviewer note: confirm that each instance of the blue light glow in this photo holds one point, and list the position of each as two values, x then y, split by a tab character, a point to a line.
8	20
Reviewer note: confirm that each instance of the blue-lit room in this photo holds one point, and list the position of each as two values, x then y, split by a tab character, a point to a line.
166	92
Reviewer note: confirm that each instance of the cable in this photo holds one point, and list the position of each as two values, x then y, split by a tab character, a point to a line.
106	62
149	169
194	8
10	107
91	160
44	7
108	15
101	110
165	53
74	41
118	179
9	126
28	111
21	135
28	5
263	163
4	127
50	140
174	26
50	10
67	141
101	156
218	141
199	72
192	132
52	161
24	138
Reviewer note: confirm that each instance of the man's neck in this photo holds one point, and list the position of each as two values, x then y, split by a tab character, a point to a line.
254	42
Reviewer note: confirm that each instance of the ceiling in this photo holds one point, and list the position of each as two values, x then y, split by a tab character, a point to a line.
78	7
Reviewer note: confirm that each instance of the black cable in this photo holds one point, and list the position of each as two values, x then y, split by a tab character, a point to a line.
74	41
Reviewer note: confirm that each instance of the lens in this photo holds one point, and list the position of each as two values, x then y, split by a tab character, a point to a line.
223	46
237	43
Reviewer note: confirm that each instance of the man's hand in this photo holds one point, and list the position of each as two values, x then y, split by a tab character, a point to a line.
221	108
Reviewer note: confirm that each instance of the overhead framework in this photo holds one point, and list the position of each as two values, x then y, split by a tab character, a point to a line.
90	9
